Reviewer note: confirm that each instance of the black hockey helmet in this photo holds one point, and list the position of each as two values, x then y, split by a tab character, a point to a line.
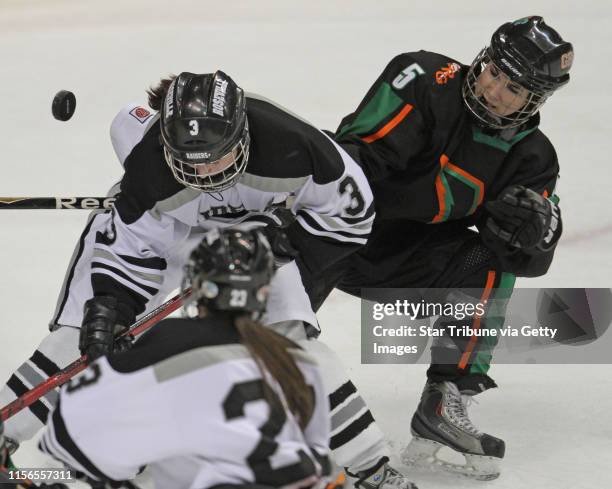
205	131
230	270
529	53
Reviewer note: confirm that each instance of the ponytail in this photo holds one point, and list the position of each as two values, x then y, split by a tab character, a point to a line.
157	93
269	351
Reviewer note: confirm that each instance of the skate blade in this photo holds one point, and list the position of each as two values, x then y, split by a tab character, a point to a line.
423	453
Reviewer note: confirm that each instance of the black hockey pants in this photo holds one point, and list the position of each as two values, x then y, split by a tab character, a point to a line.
447	257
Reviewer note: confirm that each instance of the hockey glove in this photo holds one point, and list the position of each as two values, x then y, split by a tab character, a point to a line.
281	246
524	219
100	326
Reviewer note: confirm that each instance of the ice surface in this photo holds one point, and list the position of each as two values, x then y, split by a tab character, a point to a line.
316	58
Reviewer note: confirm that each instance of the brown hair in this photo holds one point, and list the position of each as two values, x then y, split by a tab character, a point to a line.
158	92
269	351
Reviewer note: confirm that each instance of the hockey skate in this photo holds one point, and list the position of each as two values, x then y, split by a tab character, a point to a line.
381	476
441	420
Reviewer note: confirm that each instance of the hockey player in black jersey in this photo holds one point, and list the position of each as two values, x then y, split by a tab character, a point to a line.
206	155
203	401
445	147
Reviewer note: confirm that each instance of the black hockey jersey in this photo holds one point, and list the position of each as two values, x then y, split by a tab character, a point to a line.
289	161
426	159
188	402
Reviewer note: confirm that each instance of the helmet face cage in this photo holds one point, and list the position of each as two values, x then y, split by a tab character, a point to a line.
231	271
198	176
477	105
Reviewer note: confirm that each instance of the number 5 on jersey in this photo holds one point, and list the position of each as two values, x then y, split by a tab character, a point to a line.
407	75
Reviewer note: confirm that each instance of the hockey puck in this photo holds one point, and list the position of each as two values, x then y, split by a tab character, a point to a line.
64	105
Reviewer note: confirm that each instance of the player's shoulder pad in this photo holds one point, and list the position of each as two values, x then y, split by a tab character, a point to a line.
147	179
430	82
538	149
172	337
300	355
129	126
284	145
423	68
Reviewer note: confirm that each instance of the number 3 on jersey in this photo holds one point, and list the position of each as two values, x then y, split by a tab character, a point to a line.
259	459
89	377
349	186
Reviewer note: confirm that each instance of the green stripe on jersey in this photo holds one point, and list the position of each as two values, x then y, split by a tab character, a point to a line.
496	142
469	183
381	105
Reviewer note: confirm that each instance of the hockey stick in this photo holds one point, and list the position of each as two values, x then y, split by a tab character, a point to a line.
77	366
83	203
87	203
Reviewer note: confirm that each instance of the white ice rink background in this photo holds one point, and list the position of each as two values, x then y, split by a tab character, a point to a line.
316	58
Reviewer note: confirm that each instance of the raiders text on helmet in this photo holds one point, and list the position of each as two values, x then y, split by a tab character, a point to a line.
230	270
528	52
205	131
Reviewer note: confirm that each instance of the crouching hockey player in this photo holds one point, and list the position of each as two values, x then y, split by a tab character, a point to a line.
203	401
445	147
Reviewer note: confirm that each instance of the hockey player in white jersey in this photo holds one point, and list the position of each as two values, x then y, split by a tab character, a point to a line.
212	157
204	401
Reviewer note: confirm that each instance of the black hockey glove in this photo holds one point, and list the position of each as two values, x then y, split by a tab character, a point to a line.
281	246
524	219
101	323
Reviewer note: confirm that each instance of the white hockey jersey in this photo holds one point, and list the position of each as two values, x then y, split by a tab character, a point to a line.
331	200
188	402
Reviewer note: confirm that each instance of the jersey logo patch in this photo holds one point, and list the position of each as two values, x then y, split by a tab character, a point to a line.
224	211
446	72
141	114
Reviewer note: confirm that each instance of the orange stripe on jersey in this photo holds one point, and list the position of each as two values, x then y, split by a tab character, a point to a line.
545	194
388	127
476	326
441	191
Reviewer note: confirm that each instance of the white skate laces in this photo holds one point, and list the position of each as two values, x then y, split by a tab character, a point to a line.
395	479
456	409
382	476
